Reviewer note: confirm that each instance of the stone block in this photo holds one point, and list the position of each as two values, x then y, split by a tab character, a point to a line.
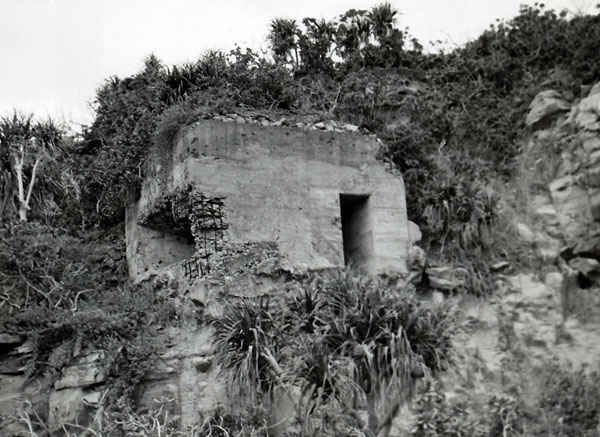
87	371
414	232
595	204
548	214
545	105
65	407
446	278
592	177
202	364
554	280
594	89
587	116
153	393
588	267
591	144
10	340
525	233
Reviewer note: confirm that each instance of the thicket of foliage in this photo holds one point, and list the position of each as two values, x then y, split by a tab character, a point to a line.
64	292
43	265
346	342
566	404
129	112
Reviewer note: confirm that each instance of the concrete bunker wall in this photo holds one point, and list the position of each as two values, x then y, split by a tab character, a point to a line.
287	186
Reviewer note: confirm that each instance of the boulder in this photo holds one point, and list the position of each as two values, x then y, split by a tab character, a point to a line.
65	407
414	232
554	281
438	297
446	278
74	406
202	364
572	204
548	215
525	232
500	266
547	247
591	143
595	90
588	247
595	204
416	264
592	179
9	340
89	370
590	268
93	398
587	113
545	107
15	365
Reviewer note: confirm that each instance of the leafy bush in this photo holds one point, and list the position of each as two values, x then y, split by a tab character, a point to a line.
130	117
571	400
64	292
436	416
126	115
42	265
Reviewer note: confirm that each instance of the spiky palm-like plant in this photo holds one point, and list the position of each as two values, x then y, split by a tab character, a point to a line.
346	342
283	37
382	18
385	337
246	345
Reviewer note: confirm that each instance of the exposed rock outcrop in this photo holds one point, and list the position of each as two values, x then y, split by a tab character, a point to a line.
545	107
446	278
566	217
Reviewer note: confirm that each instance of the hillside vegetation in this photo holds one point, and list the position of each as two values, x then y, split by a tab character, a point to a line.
453	122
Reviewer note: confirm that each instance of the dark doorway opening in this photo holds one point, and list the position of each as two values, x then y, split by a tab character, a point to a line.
357	231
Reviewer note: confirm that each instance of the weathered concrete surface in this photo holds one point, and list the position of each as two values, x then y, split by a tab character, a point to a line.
280	185
149	250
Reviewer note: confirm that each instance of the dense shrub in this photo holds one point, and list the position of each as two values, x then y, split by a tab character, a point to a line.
571	400
129	117
436	416
563	403
43	265
59	290
365	342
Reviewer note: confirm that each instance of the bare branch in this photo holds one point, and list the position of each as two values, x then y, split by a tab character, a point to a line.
32	181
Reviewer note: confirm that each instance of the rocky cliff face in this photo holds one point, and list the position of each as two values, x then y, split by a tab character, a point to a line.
563	159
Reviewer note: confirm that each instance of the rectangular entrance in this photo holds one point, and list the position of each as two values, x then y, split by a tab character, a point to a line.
357	230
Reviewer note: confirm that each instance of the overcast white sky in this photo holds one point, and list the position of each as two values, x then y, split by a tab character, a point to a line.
55	53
